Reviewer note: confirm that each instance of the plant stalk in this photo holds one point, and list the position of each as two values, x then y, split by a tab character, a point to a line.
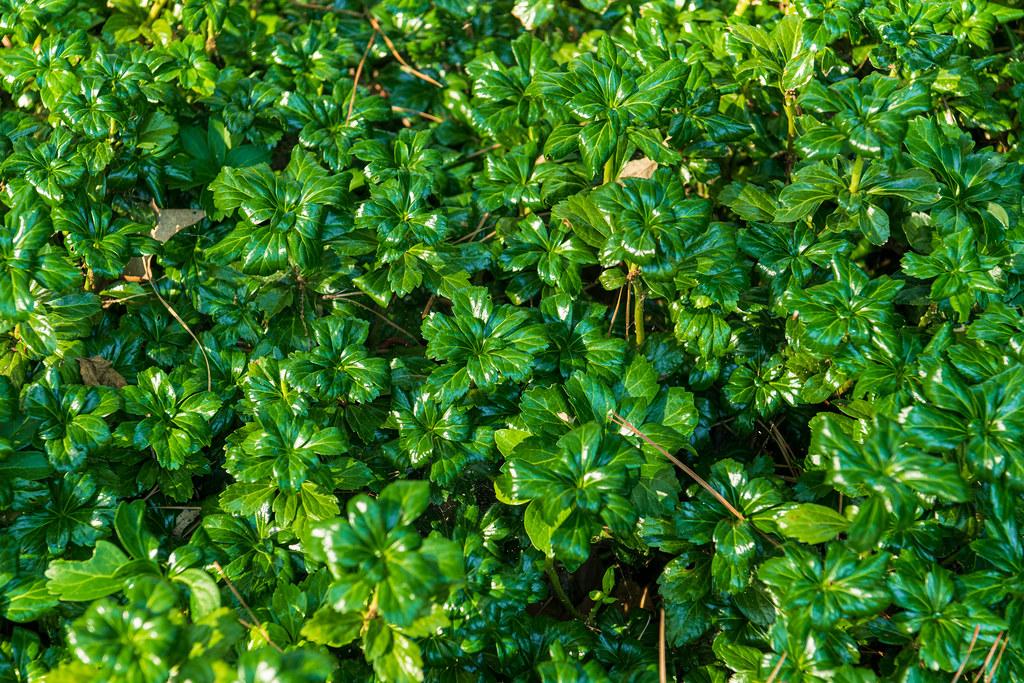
609	169
638	313
556	585
858	169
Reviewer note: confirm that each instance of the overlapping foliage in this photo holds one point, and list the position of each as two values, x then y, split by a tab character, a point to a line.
469	281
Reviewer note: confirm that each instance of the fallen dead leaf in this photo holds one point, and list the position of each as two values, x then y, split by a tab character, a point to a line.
169	223
639	168
97	371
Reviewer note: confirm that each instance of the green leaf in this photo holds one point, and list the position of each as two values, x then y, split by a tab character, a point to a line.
93	578
810	523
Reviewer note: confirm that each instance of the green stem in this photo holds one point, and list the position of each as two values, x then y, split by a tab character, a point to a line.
741	8
638	313
155	10
609	169
790	118
858	168
556	585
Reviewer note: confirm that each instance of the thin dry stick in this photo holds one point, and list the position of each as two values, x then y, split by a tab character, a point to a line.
342	295
430	304
479	228
238	596
174	314
389	322
327	8
401	60
428	117
778	666
626	331
615	313
984	665
992	674
359	73
618	419
970	648
474	155
662	666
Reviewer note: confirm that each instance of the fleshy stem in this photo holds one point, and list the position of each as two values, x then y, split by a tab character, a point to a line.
741	8
858	168
609	169
638	303
556	585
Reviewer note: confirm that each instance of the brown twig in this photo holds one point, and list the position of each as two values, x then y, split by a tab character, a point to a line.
252	615
474	155
626	331
428	117
389	322
995	665
359	73
342	295
618	419
426	309
479	228
662	665
401	60
984	665
970	649
778	667
615	313
181	321
327	8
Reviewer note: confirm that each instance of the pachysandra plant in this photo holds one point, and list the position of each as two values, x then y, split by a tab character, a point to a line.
525	340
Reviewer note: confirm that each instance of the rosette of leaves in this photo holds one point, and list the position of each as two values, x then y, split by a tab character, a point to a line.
480	344
612	104
441	433
70	418
174	425
390	583
282	214
503	108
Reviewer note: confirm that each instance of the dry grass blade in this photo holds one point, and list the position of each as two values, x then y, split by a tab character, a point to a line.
359	73
970	649
662	665
401	60
428	117
618	419
995	665
991	653
387	321
778	667
252	615
476	231
181	321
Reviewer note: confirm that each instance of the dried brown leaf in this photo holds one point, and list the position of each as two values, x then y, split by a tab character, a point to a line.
97	371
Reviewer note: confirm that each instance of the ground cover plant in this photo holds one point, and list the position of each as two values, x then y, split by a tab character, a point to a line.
523	340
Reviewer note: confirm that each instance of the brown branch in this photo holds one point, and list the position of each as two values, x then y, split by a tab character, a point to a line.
778	667
662	667
428	117
479	228
388	321
401	60
327	8
252	615
181	321
618	419
984	666
970	649
995	665
615	313
359	73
